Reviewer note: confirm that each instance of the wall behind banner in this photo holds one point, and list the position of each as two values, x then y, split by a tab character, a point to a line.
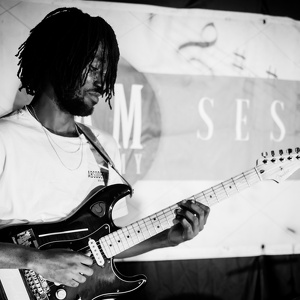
199	96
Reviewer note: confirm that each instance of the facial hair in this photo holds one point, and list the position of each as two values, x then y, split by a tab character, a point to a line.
74	104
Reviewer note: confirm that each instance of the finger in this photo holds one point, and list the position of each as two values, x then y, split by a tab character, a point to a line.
72	283
79	278
195	207
86	270
188	232
194	214
191	203
186	218
86	260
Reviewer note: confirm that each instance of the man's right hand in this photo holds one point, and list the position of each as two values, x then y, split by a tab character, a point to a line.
61	266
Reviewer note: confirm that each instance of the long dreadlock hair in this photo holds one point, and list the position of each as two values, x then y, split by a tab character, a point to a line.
61	49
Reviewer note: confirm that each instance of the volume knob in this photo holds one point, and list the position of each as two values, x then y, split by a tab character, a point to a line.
61	294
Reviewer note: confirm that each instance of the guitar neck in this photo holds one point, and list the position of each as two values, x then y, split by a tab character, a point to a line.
135	233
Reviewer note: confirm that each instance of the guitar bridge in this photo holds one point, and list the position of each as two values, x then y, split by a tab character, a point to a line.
96	252
37	284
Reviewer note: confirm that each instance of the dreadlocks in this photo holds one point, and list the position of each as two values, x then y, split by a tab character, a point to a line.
61	49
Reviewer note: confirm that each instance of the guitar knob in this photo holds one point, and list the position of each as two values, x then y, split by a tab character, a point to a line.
273	153
289	151
280	151
61	294
297	150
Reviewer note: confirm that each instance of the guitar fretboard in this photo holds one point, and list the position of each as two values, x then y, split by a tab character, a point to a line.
135	233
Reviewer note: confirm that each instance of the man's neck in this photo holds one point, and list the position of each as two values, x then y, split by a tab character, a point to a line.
47	112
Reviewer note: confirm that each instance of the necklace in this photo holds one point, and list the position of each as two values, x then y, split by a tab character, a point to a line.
64	150
51	141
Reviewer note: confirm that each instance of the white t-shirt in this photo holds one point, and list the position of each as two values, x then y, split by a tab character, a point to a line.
43	176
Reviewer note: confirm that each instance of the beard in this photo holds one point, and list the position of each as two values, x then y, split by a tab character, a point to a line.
74	104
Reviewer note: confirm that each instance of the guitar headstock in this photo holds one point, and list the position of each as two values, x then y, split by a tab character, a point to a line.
279	167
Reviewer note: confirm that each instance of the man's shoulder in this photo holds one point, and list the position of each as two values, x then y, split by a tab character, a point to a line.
10	121
105	138
10	116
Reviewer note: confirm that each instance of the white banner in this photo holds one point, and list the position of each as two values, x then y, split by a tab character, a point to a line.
199	96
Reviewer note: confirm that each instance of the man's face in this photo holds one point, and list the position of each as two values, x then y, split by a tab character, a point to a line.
87	96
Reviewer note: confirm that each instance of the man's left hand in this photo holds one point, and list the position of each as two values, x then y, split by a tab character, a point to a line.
190	219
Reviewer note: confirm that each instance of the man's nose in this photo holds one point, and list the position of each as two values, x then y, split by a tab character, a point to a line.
99	84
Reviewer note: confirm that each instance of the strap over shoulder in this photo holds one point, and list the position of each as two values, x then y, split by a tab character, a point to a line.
90	136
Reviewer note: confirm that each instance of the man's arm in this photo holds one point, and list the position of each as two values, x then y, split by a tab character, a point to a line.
189	221
62	266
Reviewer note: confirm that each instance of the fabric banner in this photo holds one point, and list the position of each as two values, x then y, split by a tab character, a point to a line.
200	95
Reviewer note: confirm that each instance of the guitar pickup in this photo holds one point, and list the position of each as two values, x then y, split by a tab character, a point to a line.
96	252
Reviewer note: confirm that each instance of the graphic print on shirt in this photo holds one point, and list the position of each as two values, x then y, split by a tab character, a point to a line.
102	173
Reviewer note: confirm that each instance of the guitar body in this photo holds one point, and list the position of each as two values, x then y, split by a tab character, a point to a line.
92	220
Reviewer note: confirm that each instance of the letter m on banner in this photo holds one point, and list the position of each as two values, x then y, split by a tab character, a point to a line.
129	118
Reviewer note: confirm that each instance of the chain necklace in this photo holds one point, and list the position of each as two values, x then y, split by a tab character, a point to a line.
51	141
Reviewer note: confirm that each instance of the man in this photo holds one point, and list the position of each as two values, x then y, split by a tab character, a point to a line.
67	63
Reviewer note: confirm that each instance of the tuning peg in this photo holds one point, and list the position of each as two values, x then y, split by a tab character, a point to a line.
264	154
297	150
280	151
289	150
273	153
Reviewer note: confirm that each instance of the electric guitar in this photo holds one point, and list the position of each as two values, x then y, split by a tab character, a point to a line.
90	230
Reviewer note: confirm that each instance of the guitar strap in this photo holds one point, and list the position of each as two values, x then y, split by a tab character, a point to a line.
90	136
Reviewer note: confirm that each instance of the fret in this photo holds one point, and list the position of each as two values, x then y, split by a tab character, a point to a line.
240	183
235	185
215	194
115	242
210	197
254	177
169	215
167	218
128	236
107	246
146	231
118	241
224	189
204	198
220	192
132	236
138	235
155	224
246	179
201	198
230	187
142	232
